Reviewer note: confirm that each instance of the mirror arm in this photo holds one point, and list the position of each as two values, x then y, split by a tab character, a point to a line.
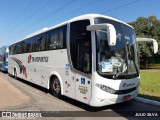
111	32
155	44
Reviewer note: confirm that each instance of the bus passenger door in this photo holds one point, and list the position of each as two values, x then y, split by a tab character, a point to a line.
81	58
83	76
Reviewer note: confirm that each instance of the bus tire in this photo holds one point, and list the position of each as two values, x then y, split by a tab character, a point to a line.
15	73
55	87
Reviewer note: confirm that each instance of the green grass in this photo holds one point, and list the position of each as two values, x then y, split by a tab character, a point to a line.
150	84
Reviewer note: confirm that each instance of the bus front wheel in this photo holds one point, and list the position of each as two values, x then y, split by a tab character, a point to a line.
55	87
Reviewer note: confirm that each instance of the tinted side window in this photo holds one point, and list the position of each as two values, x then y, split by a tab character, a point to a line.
11	50
42	41
48	40
34	44
56	38
22	46
38	43
14	49
19	48
28	45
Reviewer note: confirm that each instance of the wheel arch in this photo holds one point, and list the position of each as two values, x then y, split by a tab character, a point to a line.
55	74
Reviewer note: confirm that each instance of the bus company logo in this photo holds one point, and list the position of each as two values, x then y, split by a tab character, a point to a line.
37	59
128	85
29	58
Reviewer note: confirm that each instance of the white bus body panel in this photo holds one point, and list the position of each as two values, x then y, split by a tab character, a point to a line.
39	72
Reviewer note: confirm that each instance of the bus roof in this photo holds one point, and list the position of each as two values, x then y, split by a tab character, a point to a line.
93	16
82	17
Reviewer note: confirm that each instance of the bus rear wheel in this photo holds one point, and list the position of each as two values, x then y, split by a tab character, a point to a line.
55	87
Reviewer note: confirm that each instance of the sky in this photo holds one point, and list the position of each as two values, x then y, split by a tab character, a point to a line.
19	18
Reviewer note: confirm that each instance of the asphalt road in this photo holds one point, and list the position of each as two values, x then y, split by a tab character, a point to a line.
41	99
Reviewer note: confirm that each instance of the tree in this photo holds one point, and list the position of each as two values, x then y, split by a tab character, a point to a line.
147	27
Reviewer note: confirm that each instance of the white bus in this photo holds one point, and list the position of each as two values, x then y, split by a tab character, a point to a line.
91	58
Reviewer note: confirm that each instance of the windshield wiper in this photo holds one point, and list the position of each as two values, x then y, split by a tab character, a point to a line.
124	61
119	69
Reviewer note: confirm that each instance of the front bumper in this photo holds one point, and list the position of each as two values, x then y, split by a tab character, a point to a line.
105	98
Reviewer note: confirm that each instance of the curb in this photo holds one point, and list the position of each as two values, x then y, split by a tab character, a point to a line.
152	102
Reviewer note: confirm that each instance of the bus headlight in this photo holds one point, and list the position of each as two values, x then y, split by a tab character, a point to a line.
106	88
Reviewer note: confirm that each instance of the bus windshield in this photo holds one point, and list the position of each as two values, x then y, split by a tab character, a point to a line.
119	61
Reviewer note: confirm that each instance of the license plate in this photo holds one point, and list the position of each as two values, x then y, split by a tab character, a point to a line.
127	97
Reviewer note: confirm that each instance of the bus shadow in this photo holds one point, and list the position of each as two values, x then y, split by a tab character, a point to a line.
115	110
31	84
82	105
115	107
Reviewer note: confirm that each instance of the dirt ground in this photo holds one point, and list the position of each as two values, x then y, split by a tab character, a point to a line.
9	95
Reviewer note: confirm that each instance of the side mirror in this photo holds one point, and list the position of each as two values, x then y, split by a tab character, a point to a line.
155	44
111	32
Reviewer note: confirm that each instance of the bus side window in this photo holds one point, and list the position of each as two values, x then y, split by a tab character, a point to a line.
11	50
15	49
28	45
42	42
22	47
61	38
19	48
56	38
38	43
34	44
48	41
